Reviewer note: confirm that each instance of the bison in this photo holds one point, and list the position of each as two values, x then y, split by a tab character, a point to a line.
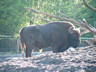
57	35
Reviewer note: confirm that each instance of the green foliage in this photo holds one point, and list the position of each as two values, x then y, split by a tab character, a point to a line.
13	16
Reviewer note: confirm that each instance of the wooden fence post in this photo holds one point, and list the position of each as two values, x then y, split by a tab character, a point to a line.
18	45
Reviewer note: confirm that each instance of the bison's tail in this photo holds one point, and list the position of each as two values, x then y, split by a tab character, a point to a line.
22	43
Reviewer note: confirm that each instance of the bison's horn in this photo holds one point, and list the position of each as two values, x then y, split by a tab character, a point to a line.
71	30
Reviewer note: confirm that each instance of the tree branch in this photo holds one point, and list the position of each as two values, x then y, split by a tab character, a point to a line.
79	23
92	30
41	19
44	19
89	6
64	15
50	15
84	32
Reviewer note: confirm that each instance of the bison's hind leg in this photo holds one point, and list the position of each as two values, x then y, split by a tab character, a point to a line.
28	51
22	51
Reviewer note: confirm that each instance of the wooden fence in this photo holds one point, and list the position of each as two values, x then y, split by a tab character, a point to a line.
11	44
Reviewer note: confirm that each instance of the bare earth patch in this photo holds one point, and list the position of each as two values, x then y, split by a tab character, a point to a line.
81	59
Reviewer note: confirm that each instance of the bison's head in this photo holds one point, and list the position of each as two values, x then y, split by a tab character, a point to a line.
74	37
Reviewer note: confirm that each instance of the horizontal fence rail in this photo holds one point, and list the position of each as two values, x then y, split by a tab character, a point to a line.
9	43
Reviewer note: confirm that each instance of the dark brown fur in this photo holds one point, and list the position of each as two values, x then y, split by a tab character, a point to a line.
55	35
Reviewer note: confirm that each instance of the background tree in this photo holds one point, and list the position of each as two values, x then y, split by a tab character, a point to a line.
13	16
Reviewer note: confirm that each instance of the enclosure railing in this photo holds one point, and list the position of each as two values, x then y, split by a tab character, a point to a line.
8	44
11	44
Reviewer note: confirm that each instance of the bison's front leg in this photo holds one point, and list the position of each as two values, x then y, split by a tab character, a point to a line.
58	48
55	48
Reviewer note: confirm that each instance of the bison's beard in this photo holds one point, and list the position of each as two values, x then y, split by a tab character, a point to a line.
75	44
62	48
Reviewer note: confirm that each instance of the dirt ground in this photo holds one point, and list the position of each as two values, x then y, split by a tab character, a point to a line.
82	59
